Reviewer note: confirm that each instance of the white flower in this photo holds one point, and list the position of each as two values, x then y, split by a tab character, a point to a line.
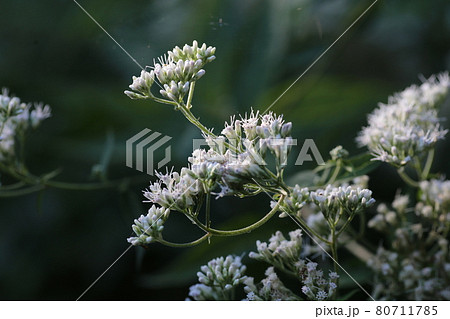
316	287
175	91
174	71
15	118
352	199
148	228
271	288
408	124
279	250
193	52
436	193
217	277
175	190
338	152
230	171
321	295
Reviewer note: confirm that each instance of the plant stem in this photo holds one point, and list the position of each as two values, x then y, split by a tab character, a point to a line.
408	180
22	191
262	221
180	245
190	95
334	254
350	218
191	118
163	101
310	230
428	164
208	210
40	183
335	173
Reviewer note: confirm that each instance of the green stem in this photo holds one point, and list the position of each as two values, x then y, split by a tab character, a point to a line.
310	230
42	182
190	244
428	165
191	118
334	254
335	173
417	166
162	101
22	191
348	221
408	180
84	187
208	210
12	186
190	95
259	223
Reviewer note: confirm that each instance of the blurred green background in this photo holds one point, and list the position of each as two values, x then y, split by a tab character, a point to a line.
54	244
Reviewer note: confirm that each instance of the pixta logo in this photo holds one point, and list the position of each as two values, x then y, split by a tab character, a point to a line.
143	146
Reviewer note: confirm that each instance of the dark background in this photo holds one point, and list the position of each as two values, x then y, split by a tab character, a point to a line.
54	244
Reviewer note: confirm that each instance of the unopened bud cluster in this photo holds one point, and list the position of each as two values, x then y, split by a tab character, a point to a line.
175	72
386	218
218	278
279	251
148	228
332	200
338	153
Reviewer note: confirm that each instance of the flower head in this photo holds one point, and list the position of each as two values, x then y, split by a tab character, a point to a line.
175	190
408	124
148	228
279	250
174	72
218	278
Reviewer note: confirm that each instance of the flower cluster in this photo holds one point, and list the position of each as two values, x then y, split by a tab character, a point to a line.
315	286
410	277
408	124
227	167
279	251
416	263
332	200
436	193
248	157
15	118
296	201
338	152
285	255
218	279
174	71
229	171
270	288
148	228
176	191
256	134
387	217
238	156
